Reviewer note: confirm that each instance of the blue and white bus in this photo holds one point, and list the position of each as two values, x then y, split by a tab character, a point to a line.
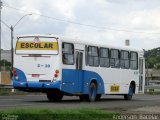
58	66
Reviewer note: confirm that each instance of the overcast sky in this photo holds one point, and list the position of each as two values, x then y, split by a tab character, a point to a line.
110	21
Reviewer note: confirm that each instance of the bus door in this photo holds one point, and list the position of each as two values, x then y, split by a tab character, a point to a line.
141	75
79	69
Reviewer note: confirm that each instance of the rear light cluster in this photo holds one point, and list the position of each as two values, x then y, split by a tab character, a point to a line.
56	75
15	74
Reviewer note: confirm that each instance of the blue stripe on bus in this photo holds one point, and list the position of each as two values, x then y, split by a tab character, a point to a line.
28	85
78	81
21	75
73	82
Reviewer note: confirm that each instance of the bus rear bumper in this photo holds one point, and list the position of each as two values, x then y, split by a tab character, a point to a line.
36	86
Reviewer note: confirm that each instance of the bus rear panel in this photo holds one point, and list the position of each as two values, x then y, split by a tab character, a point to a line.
36	63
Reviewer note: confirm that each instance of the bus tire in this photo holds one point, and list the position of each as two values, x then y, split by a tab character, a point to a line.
82	98
130	93
55	96
92	93
127	97
98	97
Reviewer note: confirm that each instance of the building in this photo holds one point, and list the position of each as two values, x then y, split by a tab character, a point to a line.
152	74
5	78
152	77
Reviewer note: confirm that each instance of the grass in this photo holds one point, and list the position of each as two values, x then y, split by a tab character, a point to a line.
6	92
153	93
59	114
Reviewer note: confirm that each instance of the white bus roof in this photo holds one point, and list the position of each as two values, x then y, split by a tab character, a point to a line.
84	42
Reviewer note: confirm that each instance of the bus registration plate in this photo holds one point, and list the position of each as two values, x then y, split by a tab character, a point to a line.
114	88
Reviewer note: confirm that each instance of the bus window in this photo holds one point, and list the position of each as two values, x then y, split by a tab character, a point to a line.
134	61
114	61
68	53
104	57
124	59
93	59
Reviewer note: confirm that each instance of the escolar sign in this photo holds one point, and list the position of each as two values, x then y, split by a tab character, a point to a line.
37	46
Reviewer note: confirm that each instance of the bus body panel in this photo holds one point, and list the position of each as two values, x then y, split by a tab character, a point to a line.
44	67
77	81
33	69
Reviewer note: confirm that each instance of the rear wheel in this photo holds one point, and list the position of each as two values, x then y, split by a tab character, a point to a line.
98	97
92	93
82	98
130	93
55	96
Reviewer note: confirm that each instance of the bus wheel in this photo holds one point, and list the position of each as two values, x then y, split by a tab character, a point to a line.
91	97
130	93
98	97
82	98
55	96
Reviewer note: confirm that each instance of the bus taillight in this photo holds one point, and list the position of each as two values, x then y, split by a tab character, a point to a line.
14	72
56	73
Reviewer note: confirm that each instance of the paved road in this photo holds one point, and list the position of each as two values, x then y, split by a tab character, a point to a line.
111	103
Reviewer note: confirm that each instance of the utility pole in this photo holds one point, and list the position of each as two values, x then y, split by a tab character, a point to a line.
0	30
12	50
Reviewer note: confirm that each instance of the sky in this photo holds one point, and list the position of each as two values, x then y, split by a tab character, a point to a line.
105	21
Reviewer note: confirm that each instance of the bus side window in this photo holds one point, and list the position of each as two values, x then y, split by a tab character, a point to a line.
134	60
68	53
93	56
114	60
124	59
104	57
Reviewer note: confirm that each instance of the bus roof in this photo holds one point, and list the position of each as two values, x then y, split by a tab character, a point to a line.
84	42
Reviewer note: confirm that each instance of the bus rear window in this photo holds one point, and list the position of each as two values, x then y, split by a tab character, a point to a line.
37	45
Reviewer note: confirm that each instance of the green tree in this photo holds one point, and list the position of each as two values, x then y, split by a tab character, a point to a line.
153	58
5	64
